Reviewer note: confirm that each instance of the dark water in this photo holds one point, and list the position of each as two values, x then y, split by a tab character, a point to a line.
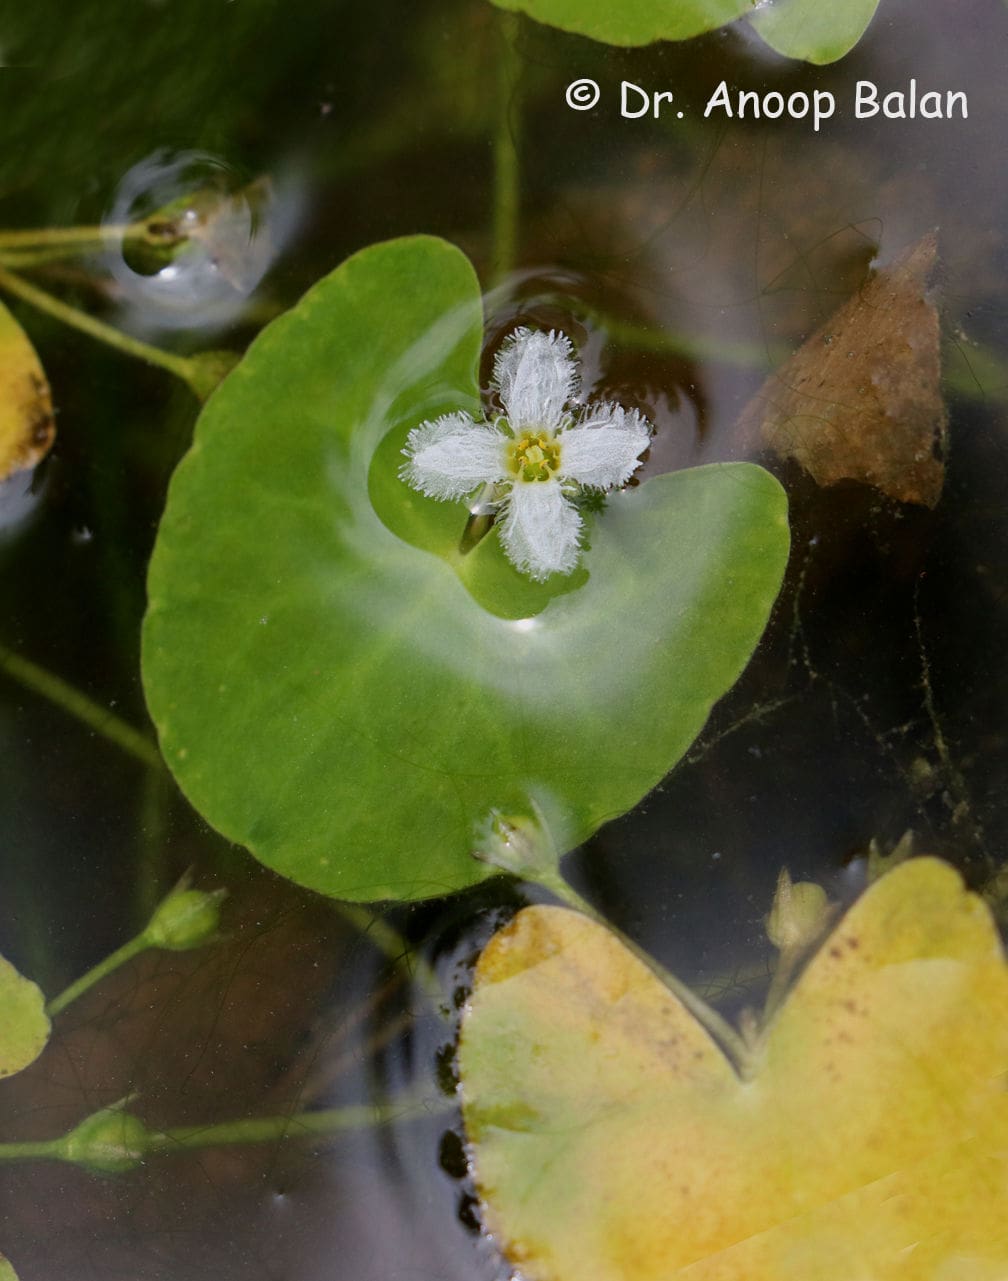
875	704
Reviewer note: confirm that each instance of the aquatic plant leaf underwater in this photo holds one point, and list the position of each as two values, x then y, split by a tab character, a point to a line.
801	29
612	1140
812	31
27	425
24	1024
341	689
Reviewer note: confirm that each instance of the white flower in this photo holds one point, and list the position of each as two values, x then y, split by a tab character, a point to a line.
536	457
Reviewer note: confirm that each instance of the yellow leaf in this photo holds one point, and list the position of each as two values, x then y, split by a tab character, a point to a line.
865	1140
27	427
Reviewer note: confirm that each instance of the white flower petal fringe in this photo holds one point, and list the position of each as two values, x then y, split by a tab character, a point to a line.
542	451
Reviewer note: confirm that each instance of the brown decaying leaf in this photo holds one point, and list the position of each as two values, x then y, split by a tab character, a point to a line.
27	426
861	399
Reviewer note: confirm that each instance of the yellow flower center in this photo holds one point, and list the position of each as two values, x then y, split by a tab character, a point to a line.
534	455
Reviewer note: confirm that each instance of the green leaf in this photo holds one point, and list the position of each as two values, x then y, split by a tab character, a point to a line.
24	1025
612	1139
631	22
348	695
7	1272
813	31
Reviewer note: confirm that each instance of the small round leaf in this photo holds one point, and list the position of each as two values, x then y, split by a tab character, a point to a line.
24	1025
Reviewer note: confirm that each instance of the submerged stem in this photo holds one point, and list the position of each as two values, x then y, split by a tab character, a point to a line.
43	1149
184	367
78	705
114	1141
37	237
507	175
297	1125
97	972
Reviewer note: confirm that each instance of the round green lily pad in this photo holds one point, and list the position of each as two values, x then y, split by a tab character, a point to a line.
347	694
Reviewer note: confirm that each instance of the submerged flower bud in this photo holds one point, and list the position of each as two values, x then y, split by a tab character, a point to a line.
799	913
111	1141
520	845
185	919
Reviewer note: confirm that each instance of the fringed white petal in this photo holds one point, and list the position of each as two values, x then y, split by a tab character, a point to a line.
604	449
536	376
450	456
541	530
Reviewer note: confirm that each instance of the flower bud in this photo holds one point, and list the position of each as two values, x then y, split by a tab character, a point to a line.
185	919
879	863
109	1142
520	845
800	910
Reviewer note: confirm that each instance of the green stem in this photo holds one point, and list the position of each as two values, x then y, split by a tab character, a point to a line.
78	705
780	984
299	1125
31	237
181	366
507	176
98	972
719	1028
45	1149
21	259
138	1143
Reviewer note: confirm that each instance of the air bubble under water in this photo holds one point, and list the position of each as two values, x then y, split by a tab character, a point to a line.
187	240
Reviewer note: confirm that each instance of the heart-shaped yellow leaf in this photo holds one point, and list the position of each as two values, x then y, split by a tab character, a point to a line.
865	1140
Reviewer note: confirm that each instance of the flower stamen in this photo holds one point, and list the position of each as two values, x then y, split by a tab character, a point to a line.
534	455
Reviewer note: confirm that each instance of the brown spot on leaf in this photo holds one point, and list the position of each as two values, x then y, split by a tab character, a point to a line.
861	399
